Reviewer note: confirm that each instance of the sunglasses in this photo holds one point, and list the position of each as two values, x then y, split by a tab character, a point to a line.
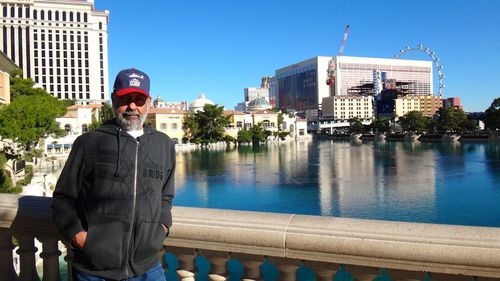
138	99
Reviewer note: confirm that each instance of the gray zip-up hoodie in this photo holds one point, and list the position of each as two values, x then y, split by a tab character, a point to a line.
118	189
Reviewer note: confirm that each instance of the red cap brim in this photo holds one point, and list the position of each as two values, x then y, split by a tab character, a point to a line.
126	91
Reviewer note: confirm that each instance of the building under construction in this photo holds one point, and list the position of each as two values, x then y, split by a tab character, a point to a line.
301	86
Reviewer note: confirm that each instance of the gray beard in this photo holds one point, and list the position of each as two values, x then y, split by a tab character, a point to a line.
131	125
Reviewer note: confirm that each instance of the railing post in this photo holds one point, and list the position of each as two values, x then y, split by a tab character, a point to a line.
50	256
69	262
287	268
324	271
218	262
27	259
186	257
251	265
6	258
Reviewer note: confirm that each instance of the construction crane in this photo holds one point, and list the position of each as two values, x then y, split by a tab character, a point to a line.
332	69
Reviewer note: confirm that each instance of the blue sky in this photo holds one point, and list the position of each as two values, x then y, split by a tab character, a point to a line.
219	47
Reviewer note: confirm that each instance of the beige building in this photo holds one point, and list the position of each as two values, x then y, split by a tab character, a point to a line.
344	108
337	110
168	121
268	118
237	121
6	66
428	105
78	118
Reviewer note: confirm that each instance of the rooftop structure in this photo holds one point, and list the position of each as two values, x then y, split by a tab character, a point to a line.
199	103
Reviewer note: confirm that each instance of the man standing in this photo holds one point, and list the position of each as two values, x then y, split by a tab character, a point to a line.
114	196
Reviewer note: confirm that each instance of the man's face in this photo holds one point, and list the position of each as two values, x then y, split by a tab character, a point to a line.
131	110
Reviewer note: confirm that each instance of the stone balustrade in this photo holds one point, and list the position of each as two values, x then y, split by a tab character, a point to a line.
329	248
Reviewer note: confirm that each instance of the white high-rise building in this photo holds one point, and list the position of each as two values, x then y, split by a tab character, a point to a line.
302	86
61	44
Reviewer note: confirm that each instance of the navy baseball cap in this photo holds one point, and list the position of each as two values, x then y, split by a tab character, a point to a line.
131	81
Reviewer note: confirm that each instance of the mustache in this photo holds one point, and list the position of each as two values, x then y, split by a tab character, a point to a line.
131	113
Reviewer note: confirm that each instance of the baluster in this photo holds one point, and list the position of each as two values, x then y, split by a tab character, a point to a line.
325	274
218	261
68	258
383	276
286	267
324	271
50	255
6	258
186	258
251	265
27	259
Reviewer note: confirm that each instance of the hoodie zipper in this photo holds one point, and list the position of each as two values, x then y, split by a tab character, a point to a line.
134	199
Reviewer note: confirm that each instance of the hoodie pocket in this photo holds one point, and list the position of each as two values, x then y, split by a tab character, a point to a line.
149	241
104	245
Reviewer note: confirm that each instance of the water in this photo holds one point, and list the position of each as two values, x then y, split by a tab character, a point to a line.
444	183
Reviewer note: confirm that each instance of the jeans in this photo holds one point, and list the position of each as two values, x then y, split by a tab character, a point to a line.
154	274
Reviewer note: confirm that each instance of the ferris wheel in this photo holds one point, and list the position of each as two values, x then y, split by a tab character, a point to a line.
434	58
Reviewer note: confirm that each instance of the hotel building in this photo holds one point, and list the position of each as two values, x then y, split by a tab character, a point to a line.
60	44
428	105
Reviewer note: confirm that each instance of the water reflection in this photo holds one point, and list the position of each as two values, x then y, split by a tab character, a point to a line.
409	181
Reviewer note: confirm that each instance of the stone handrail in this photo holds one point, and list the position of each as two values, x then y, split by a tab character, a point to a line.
405	251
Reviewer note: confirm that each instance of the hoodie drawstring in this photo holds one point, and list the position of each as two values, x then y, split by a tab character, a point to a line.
118	136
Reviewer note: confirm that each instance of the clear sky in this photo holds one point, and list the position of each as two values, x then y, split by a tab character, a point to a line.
219	47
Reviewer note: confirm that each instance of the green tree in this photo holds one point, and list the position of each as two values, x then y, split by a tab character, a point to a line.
259	134
29	118
413	121
280	120
207	126
106	112
355	126
22	87
451	119
492	115
381	125
190	127
244	136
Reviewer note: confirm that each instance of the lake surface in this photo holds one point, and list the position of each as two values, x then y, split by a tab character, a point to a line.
445	183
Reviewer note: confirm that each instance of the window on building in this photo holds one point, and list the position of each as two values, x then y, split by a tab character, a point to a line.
163	126
85	128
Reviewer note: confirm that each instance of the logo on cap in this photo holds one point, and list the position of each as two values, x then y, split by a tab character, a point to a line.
135	75
134	83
